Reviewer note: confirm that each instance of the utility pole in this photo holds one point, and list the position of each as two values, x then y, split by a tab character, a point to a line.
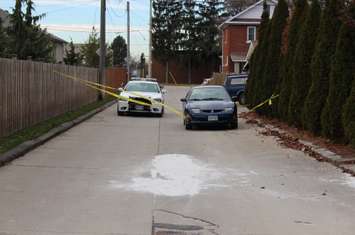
102	46
128	43
150	63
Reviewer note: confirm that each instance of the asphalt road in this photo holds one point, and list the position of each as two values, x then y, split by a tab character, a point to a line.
111	174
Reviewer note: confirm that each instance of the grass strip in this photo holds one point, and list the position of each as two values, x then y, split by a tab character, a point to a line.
9	142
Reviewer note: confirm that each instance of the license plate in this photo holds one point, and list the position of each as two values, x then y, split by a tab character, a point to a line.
139	107
212	118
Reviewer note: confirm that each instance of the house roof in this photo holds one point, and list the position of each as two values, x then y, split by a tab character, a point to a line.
56	39
249	16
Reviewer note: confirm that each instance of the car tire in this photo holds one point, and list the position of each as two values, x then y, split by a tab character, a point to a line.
188	126
234	124
162	113
242	99
119	113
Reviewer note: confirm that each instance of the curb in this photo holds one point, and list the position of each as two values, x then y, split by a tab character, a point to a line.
29	145
345	164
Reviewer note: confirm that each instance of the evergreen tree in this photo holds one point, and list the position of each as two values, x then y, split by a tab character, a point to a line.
236	6
3	41
72	57
17	30
191	37
349	110
270	77
27	39
349	115
257	60
167	24
119	50
250	86
210	12
174	26
301	75
288	62
159	31
88	50
320	67
341	75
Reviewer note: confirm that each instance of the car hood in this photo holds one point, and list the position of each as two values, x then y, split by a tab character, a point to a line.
150	95
210	104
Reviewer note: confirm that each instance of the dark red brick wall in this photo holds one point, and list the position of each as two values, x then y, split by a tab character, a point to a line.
235	38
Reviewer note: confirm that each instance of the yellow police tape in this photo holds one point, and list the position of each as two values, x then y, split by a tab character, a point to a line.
93	85
269	101
96	86
160	103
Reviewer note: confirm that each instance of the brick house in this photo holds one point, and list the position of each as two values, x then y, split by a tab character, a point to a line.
239	36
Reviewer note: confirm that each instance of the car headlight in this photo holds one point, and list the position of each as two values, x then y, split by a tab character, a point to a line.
158	100
196	110
228	110
123	98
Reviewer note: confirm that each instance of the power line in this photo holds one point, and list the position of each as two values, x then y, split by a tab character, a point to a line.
69	7
113	10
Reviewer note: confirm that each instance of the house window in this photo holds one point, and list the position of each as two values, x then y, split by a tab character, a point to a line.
251	33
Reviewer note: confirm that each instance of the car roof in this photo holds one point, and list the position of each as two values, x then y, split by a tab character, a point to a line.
142	81
207	86
237	75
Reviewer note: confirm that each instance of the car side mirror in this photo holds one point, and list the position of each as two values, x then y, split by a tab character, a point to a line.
183	100
235	98
164	91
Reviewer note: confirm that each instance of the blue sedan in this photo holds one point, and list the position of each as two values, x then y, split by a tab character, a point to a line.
209	105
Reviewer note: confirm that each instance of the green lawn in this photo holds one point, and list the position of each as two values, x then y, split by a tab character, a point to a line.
9	142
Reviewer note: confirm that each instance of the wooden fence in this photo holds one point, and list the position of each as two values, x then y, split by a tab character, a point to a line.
179	72
116	76
31	92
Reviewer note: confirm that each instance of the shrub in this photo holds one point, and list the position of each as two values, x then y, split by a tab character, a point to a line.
301	75
321	63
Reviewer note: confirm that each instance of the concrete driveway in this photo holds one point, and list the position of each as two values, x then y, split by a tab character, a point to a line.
113	175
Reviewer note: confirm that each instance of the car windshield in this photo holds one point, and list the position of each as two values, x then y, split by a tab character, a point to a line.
209	93
143	87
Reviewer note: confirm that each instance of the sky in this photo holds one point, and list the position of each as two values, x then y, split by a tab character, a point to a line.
74	19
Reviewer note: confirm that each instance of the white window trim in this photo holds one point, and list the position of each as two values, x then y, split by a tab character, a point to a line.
248	40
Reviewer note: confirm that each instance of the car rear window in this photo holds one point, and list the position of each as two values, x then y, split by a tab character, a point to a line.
209	93
238	81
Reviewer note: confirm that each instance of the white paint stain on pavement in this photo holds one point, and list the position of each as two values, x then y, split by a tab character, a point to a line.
175	175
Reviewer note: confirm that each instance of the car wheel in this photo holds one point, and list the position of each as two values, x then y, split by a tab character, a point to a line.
242	99
234	124
162	113
188	126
